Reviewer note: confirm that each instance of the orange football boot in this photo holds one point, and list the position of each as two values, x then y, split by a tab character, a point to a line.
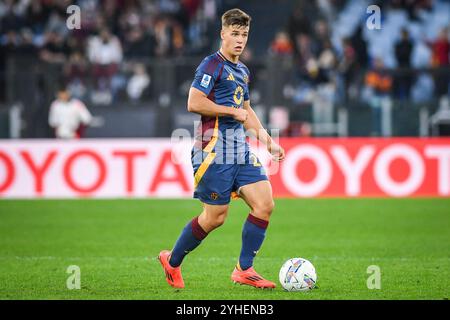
173	275
250	277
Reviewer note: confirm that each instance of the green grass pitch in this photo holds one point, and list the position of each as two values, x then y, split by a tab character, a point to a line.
115	243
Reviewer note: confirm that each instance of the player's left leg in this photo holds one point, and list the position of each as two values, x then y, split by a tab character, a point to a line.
258	197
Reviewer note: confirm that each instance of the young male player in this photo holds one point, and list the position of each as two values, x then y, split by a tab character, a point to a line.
222	162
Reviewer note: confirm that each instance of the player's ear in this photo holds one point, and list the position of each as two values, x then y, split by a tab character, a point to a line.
222	33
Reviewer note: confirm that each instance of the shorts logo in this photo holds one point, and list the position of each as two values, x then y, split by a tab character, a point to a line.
214	196
205	80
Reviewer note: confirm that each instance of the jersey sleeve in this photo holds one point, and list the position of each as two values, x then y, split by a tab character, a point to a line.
206	75
247	81
246	93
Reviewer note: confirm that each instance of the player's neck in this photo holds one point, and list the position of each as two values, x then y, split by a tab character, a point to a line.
229	57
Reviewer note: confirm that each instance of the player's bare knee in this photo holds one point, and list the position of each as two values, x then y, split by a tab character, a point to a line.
268	206
271	205
264	209
218	220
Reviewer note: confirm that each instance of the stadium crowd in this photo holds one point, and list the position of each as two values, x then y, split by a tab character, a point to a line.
108	54
114	35
309	38
337	67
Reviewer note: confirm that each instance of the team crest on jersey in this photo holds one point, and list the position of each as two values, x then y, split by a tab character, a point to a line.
214	196
246	79
238	95
205	80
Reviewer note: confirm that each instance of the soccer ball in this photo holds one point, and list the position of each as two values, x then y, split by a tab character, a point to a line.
297	274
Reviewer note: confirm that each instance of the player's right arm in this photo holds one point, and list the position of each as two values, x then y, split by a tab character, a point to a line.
206	76
198	102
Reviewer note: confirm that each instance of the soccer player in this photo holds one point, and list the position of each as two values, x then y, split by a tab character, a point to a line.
223	165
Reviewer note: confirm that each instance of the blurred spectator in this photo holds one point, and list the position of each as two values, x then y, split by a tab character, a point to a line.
281	45
379	84
404	79
327	57
198	32
321	32
54	50
440	61
26	47
68	116
57	19
10	14
403	50
177	39
139	45
191	7
37	17
441	49
300	20
305	53
138	82
323	78
348	68
169	37
111	11
412	7
105	54
327	8
360	46
76	74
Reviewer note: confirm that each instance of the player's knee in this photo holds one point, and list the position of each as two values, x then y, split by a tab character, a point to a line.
264	209
269	206
217	221
272	204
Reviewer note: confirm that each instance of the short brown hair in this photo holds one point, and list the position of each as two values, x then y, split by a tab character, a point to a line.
235	17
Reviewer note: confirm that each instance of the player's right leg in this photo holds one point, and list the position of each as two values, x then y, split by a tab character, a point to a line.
212	217
258	197
213	184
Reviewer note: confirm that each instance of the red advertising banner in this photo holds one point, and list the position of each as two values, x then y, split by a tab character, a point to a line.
364	167
352	167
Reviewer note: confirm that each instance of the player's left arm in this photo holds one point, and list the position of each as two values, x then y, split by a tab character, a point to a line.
254	125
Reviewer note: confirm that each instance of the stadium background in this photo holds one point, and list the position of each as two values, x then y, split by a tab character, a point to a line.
360	112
